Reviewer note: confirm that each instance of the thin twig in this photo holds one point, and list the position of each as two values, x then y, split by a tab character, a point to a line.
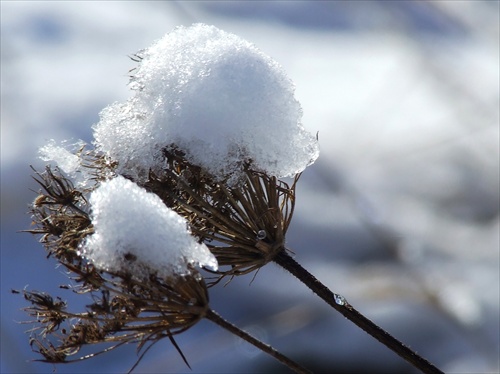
347	310
218	320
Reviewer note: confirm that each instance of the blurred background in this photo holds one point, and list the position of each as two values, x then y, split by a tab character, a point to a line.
400	214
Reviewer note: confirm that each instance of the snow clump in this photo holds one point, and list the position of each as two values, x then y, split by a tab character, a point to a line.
136	232
214	96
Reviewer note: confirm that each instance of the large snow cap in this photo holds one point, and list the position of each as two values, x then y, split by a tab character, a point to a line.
216	97
135	231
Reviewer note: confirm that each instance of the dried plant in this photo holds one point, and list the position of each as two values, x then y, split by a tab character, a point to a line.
126	311
243	224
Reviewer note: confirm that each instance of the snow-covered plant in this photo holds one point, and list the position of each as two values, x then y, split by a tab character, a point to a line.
135	300
212	124
184	174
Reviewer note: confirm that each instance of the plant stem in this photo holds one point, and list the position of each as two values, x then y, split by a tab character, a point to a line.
218	320
347	310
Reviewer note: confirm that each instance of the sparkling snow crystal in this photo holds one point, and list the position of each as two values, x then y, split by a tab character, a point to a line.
66	159
134	230
217	98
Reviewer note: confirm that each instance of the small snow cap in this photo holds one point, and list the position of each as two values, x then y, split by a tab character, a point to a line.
136	232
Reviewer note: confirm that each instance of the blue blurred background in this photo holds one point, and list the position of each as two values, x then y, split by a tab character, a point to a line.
400	214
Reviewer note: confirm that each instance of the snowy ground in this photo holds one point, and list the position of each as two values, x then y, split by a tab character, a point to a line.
400	214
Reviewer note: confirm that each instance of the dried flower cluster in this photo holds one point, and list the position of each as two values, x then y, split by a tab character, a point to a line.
243	225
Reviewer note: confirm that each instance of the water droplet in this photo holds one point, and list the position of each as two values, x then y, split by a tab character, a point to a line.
261	234
339	300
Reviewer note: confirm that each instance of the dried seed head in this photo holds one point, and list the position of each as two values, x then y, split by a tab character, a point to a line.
243	225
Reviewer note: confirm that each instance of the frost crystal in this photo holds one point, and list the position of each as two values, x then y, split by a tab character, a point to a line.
134	230
217	98
66	159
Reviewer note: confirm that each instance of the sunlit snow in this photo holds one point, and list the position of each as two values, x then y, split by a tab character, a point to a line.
217	98
136	232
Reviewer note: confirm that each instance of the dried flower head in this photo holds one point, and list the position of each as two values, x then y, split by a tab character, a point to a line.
126	308
211	124
243	225
58	212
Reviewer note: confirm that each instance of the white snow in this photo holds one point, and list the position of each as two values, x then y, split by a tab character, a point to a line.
127	221
216	97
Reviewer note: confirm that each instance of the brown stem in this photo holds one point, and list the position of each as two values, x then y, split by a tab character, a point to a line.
218	320
347	310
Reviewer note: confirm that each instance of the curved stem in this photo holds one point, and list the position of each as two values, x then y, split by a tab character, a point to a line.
218	320
347	310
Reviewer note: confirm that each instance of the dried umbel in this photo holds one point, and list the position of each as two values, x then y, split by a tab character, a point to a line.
243	224
126	308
